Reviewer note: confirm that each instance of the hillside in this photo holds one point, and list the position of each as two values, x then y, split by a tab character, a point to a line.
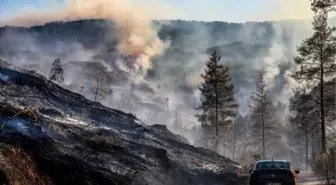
87	50
54	136
94	40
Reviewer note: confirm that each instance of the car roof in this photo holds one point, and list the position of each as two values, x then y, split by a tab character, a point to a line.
271	161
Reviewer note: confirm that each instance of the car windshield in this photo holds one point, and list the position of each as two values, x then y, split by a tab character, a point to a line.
273	165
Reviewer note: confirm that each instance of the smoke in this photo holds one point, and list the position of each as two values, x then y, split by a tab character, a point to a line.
135	34
172	76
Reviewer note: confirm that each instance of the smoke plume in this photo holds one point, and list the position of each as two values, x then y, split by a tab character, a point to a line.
134	32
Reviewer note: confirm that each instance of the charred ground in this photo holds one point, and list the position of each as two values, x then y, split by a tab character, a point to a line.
54	136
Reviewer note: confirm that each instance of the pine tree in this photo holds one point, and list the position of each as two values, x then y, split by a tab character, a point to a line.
56	72
328	5
303	114
218	106
317	56
264	128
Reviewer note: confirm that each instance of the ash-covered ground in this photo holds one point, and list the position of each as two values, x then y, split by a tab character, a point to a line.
53	136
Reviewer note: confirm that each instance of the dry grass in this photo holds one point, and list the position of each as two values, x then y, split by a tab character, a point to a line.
8	109
20	167
324	165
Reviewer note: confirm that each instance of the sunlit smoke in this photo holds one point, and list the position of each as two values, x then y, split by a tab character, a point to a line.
134	32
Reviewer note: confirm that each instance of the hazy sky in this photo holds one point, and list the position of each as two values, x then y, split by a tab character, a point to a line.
222	10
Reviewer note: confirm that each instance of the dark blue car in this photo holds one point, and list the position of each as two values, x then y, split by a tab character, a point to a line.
273	172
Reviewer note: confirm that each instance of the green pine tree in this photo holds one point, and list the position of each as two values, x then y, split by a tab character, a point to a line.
218	105
56	72
316	59
265	125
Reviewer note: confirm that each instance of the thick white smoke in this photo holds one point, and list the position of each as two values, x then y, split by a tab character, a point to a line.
134	32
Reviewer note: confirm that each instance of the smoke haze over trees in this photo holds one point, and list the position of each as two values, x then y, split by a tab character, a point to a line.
246	49
93	53
263	117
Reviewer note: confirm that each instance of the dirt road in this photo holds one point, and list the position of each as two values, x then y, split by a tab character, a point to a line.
306	178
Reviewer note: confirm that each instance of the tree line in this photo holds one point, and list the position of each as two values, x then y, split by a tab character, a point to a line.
312	107
218	111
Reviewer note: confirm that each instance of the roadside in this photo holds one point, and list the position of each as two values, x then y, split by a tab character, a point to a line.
307	178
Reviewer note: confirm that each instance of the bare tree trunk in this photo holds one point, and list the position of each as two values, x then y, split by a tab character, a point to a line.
234	141
96	92
306	147
216	121
263	133
313	147
323	136
327	170
128	102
